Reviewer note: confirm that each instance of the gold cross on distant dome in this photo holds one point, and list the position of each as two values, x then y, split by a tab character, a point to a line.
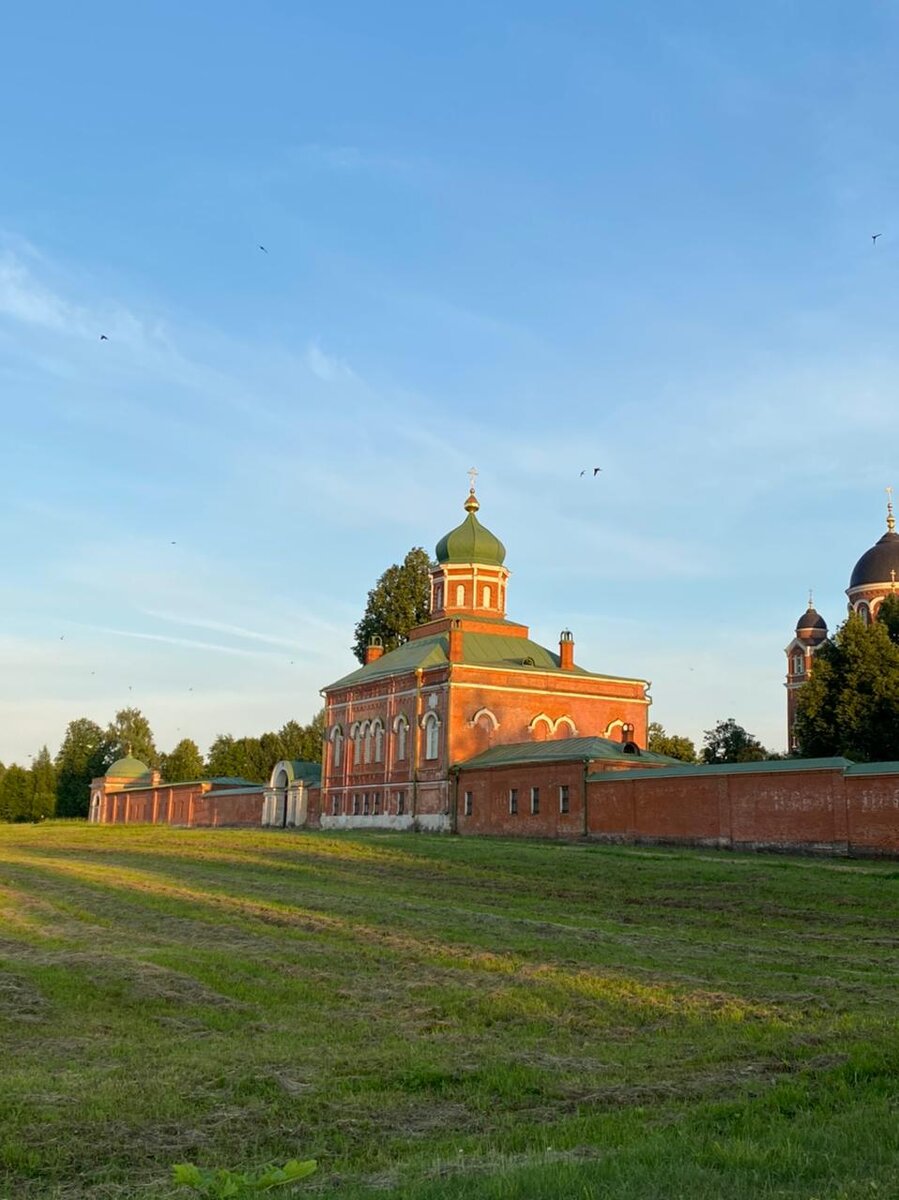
472	476
891	520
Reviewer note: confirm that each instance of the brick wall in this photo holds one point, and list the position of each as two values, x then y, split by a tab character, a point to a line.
490	801
836	809
183	804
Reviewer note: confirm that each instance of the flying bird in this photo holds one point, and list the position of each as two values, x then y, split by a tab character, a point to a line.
596	471
264	251
103	337
874	237
583	473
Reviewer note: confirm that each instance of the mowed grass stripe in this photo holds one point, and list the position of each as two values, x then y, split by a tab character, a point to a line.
442	1017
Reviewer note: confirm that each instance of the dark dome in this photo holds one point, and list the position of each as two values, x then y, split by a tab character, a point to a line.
875	564
811	622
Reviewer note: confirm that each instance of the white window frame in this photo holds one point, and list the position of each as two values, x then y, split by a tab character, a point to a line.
431	725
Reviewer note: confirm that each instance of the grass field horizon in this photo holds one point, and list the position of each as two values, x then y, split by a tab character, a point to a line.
436	1017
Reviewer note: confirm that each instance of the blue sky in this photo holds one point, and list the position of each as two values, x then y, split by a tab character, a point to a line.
528	237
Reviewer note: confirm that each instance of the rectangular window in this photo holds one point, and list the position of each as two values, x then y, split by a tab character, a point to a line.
400	803
355	804
377	803
469	801
365	809
535	800
335	806
513	801
563	798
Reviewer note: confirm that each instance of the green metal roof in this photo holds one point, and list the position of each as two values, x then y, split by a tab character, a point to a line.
250	790
873	768
127	768
749	768
471	542
423	652
218	779
309	772
504	652
573	749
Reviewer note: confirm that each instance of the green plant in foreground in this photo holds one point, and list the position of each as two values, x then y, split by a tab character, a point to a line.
233	1185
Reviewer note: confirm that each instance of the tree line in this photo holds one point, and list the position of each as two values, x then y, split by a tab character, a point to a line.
60	786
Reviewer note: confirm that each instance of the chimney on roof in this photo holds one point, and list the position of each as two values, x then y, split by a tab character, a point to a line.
566	650
454	653
374	649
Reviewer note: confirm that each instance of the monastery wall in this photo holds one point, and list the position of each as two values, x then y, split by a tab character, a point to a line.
835	810
188	804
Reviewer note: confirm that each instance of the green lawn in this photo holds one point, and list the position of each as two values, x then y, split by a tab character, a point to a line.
437	1017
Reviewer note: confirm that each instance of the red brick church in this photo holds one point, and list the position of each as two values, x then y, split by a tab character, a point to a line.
466	681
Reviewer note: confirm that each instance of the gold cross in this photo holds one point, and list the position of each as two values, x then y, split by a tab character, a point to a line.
472	476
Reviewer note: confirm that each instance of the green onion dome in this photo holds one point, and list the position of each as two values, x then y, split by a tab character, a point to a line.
470	542
128	768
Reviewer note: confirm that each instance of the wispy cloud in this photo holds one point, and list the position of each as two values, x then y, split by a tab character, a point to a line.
22	298
238	630
215	647
327	367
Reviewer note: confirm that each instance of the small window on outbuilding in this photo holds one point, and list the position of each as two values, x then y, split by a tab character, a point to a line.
513	802
468	804
535	800
563	798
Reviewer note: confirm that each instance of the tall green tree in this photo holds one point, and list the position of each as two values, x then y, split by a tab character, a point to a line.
850	704
729	742
253	758
130	733
888	616
16	792
303	742
224	758
396	604
43	786
81	758
182	763
671	744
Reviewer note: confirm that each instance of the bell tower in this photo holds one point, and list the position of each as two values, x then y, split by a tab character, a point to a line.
811	633
469	578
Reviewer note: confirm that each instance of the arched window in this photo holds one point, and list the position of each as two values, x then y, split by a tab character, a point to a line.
541	728
378	733
401	729
485	596
564	727
864	612
356	735
367	733
460	595
798	664
432	735
438	596
336	746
